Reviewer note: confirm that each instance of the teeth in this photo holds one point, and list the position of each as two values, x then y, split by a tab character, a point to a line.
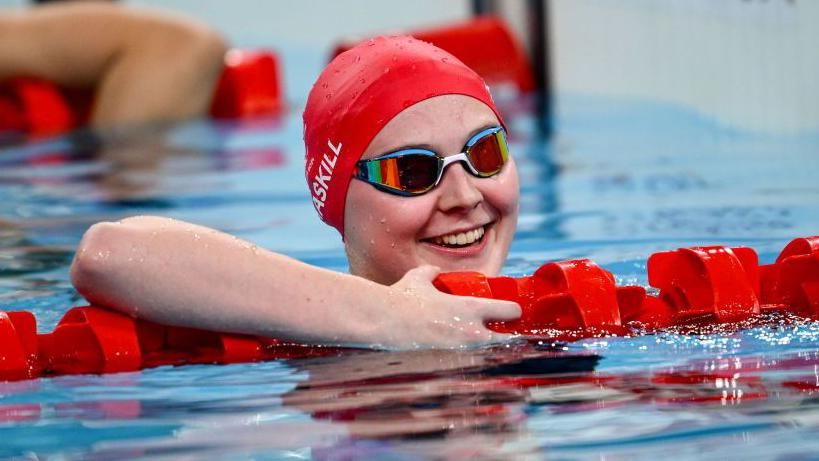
461	238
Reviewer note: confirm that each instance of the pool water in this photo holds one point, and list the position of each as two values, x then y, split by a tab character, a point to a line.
621	179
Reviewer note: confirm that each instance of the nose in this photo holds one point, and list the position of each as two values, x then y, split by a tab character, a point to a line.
458	192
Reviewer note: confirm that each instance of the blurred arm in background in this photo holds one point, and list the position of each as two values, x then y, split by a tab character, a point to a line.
143	65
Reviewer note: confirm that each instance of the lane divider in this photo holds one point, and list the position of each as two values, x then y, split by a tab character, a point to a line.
563	300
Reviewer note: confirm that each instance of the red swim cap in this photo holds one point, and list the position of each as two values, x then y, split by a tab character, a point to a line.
357	94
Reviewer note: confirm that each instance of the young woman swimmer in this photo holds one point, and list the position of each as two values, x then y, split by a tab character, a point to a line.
406	157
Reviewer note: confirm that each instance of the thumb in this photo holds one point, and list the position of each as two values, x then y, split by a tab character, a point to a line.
424	273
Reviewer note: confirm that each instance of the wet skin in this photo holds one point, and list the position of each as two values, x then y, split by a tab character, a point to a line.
386	235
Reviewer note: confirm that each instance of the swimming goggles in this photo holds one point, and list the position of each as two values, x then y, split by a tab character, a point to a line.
416	171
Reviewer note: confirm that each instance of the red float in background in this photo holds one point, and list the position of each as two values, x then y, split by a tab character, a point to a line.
34	106
486	44
250	86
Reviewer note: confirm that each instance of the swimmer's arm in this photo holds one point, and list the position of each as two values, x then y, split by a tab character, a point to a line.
145	65
182	274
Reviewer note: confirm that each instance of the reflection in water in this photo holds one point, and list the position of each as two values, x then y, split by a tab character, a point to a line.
491	403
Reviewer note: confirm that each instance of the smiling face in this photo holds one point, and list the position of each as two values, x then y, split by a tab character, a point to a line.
465	223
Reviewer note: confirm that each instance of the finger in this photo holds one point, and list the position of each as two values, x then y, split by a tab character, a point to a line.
500	310
493	337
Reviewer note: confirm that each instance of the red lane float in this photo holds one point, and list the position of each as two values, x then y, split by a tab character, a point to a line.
34	106
486	44
95	340
792	282
250	86
700	285
562	300
559	296
707	282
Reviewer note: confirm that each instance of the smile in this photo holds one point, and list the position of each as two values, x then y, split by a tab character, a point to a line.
459	239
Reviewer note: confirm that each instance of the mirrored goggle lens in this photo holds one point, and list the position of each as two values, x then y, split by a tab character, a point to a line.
411	173
489	154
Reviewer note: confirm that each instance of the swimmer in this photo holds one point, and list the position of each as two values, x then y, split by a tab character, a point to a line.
406	157
143	65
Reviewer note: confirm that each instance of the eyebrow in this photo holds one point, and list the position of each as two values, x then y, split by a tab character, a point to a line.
428	147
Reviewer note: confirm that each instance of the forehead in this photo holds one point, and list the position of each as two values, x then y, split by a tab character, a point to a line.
442	123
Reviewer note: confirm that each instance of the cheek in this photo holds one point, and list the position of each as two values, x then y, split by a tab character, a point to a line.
504	193
381	227
377	215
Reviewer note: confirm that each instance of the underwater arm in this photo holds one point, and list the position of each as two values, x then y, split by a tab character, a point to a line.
182	274
144	65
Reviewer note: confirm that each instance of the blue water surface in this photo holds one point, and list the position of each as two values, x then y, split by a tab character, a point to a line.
620	180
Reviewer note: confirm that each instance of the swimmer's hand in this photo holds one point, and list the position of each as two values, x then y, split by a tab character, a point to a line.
426	317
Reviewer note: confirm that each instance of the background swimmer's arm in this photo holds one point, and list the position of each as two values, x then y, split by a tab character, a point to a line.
182	274
144	65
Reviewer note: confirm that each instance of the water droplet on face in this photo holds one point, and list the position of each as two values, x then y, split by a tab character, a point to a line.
328	96
371	42
413	67
382	220
325	85
197	236
372	242
386	69
362	81
357	59
444	59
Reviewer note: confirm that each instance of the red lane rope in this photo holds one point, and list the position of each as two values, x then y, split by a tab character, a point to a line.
562	300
